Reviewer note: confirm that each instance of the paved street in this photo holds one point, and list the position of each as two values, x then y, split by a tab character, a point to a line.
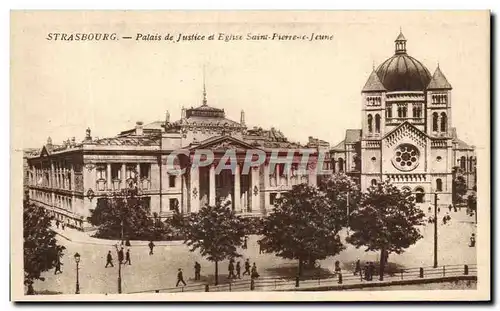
160	269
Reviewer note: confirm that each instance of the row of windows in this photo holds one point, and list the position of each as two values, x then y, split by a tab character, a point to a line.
130	171
402	111
463	163
419	192
377	123
441	120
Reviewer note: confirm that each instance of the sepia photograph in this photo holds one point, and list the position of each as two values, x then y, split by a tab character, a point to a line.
250	156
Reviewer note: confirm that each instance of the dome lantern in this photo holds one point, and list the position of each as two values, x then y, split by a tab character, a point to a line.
400	43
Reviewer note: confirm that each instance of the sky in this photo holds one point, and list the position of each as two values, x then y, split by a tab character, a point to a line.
302	88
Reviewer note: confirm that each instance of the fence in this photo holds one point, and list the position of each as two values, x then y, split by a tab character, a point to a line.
281	284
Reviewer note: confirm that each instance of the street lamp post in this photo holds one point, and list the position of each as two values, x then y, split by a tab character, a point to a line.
77	260
435	230
119	271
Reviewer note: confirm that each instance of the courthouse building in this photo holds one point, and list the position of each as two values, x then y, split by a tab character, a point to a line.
407	134
68	179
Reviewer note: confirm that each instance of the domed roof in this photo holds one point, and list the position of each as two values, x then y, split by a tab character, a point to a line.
402	72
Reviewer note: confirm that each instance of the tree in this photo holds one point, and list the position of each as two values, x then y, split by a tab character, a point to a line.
41	251
123	215
216	231
459	186
303	225
472	204
338	188
386	221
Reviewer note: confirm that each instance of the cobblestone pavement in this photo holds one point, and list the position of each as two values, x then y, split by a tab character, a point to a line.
160	270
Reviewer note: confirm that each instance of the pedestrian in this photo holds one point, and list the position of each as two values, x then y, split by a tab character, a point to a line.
260	246
127	257
357	268
57	224
180	278
151	246
455	208
247	267
58	266
127	242
109	260
439	209
238	270
444	220
472	240
449	207
254	274
337	267
245	241
197	269
367	271
120	255
448	217
62	225
429	209
231	269
371	270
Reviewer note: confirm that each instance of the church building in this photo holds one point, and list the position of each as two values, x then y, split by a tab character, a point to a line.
407	135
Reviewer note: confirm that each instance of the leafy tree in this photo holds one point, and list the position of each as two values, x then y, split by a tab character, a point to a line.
386	221
338	188
41	251
122	211
472	203
216	231
303	225
459	185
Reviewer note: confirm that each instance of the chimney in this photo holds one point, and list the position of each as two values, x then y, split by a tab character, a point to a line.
138	128
73	141
49	143
242	120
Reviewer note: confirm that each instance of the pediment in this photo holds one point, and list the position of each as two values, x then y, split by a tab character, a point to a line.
223	143
403	132
44	153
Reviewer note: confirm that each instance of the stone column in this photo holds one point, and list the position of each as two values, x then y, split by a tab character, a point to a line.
72	180
237	188
254	186
109	182
51	175
312	178
195	189
211	185
138	176
122	180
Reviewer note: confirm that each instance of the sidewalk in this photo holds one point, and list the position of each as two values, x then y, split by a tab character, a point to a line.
81	237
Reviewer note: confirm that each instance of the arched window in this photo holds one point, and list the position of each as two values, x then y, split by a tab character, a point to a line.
400	112
471	164
462	163
435	122
439	185
405	111
377	123
341	164
419	195
370	123
444	122
374	182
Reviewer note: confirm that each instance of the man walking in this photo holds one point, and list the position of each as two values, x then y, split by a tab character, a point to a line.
180	278
197	269
254	274
357	268
127	257
58	266
231	269
245	242
109	260
120	255
151	246
247	267
238	270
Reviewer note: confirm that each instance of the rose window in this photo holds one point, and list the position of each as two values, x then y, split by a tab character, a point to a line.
406	157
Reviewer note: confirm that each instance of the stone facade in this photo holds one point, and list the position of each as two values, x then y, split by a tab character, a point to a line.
407	134
68	179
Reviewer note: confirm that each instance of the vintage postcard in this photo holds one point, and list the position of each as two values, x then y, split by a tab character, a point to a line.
250	155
